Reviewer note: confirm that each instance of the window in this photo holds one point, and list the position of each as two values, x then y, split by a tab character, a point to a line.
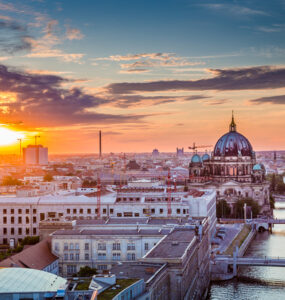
161	210
4	231
19	211
153	211
5	241
42	216
56	246
119	214
12	230
27	231
4	211
77	256
71	256
34	211
74	211
19	220
20	231
71	269
145	246
65	246
104	210
81	210
12	210
131	246
77	246
116	256
101	255
131	256
96	210
12	220
65	256
111	210
71	246
86	246
86	256
34	231
27	220
68	211
34	220
27	211
102	267
51	214
89	211
137	214
101	246
116	246
178	210
4	220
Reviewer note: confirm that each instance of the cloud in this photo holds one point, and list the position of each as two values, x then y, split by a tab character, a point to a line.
146	61
273	28
14	37
251	78
234	9
45	47
40	100
73	34
273	100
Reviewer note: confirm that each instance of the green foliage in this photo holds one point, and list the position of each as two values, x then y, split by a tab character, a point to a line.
223	210
9	180
86	271
30	240
276	183
249	202
48	177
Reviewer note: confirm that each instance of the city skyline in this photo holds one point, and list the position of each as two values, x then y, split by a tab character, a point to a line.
149	75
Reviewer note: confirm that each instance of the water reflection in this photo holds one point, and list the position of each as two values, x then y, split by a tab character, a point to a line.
262	283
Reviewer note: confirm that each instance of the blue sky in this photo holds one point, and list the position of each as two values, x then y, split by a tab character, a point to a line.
202	49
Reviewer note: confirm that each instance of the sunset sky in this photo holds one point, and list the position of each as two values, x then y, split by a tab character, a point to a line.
149	74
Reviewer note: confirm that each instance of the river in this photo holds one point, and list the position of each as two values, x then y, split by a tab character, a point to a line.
258	283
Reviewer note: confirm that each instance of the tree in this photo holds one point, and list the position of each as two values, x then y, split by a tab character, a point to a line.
223	210
250	203
9	180
48	177
86	271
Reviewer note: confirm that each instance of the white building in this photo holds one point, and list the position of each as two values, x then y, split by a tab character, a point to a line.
20	216
35	155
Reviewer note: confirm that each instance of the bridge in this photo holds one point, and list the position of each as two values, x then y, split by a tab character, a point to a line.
251	261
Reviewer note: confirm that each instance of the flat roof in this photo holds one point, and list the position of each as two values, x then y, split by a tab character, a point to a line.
21	280
173	245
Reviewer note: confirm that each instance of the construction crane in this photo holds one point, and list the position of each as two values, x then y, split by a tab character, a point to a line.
36	137
194	147
168	195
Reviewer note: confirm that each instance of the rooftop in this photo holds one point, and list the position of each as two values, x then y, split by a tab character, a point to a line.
173	245
15	280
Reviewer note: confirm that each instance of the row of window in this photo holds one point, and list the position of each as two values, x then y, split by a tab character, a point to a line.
20	220
100	246
20	231
20	211
101	256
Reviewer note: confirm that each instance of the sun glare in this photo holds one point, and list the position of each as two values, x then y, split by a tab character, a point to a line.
8	137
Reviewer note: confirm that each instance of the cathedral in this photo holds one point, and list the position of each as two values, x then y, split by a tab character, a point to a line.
231	170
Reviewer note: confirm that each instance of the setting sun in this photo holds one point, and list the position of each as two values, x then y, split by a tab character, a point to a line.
8	137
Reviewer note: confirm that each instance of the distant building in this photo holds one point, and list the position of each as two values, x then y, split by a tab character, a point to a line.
35	155
179	152
133	165
155	152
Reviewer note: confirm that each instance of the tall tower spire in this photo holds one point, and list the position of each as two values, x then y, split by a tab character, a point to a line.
233	126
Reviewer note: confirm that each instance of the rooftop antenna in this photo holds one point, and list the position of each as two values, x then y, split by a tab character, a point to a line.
100	144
